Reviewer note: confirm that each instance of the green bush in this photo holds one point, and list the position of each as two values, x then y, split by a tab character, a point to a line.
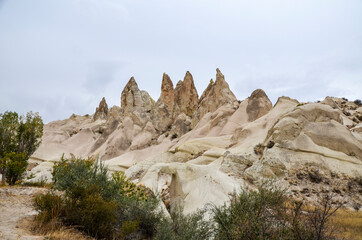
181	227
252	215
49	206
94	215
16	166
103	206
267	214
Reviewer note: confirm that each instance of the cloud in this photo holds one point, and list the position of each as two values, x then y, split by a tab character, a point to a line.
71	53
102	9
100	74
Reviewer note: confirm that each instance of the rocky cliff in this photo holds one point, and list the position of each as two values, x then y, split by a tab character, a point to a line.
195	150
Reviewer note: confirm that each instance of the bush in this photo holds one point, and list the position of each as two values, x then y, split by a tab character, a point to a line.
16	166
181	227
49	207
358	102
252	215
102	206
266	214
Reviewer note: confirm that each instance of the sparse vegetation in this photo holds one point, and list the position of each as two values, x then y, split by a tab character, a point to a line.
349	224
181	227
104	207
358	102
43	182
267	214
174	136
259	149
270	144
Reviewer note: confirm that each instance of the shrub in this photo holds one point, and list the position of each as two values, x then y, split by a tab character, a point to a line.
358	102
174	136
252	215
49	207
266	214
181	227
96	216
102	206
259	149
16	166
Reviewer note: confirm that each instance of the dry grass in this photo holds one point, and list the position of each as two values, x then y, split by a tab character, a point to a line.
65	234
349	224
55	231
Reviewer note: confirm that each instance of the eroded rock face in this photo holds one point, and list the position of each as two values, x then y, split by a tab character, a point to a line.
186	97
131	96
167	92
314	124
258	105
215	95
101	111
232	145
162	113
136	104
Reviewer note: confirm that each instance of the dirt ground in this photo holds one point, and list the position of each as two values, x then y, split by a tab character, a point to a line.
17	213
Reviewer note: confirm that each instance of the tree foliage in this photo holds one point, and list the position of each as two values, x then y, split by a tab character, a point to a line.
20	136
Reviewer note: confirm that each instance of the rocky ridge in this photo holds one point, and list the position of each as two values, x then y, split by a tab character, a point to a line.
195	150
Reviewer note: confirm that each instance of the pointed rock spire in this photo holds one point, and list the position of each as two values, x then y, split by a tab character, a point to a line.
131	95
215	95
258	105
163	109
186	97
133	99
167	92
101	111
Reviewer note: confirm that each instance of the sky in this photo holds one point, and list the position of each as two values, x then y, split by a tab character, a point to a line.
59	57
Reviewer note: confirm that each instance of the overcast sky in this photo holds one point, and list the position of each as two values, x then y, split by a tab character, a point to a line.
59	57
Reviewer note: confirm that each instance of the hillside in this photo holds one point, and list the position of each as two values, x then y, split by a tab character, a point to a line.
194	150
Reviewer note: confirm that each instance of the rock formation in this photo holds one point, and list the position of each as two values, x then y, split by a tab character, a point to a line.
101	111
215	95
135	103
186	97
163	111
197	151
258	105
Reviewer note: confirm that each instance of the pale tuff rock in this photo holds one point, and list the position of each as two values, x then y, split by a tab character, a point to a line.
186	97
196	152
329	101
167	92
315	124
131	96
181	125
162	112
101	111
215	95
136	104
134	99
258	105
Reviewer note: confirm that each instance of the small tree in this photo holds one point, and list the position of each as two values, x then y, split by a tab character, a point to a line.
19	138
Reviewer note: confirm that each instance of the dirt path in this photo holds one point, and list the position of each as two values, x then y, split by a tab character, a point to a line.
16	212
